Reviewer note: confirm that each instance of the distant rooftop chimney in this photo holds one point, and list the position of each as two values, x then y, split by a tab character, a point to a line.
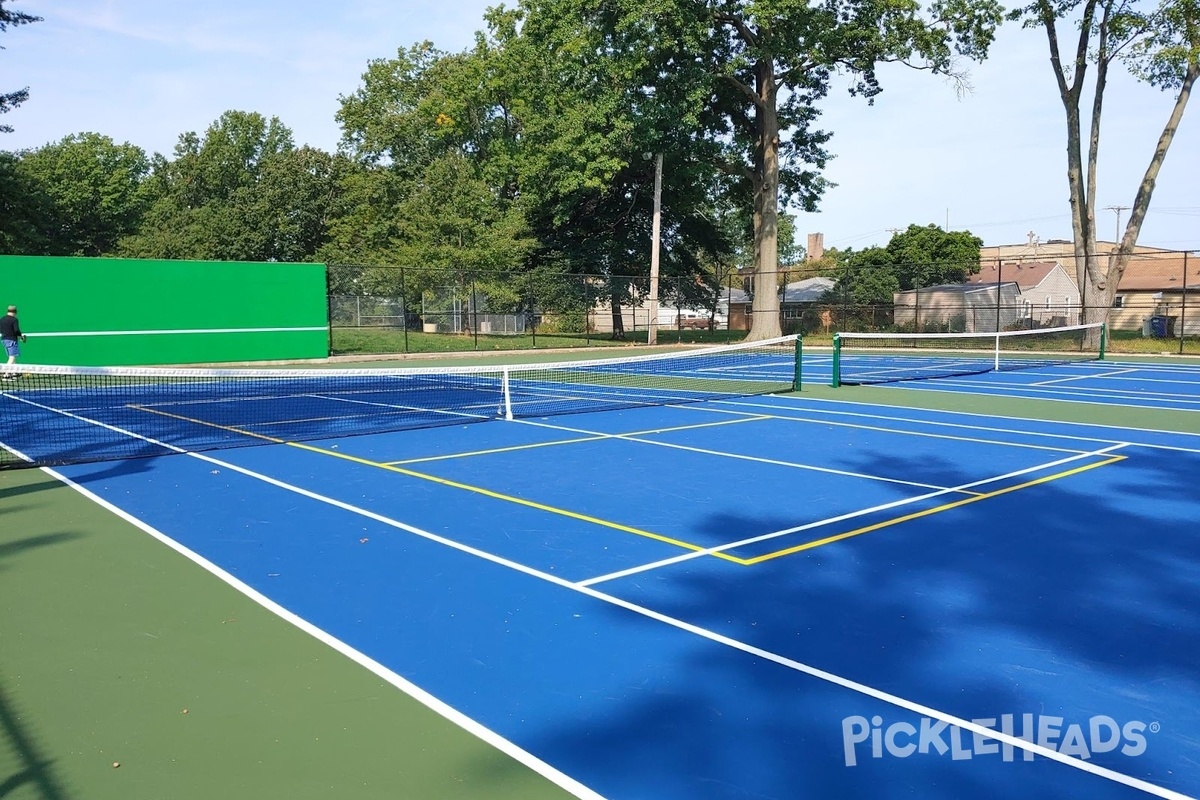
816	246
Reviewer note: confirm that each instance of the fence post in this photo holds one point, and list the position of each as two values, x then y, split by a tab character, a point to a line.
474	312
532	312
404	306
999	287
678	311
328	315
1183	305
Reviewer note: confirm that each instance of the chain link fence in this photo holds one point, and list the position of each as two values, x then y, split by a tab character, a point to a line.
407	306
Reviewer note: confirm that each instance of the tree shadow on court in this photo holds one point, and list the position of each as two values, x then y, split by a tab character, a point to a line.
16	485
15	547
31	769
1074	597
103	470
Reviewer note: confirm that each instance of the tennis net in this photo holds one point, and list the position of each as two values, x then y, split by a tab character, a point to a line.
63	415
865	358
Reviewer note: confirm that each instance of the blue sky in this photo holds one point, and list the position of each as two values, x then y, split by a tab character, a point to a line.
992	161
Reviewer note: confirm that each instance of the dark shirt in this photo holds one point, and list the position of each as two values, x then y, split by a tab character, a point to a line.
9	328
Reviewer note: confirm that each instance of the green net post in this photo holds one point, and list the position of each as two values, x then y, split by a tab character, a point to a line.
836	380
797	375
1103	338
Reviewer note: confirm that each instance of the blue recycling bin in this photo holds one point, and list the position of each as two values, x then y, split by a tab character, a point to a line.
1158	326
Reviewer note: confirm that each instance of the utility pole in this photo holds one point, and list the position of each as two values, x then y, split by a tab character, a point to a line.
1118	209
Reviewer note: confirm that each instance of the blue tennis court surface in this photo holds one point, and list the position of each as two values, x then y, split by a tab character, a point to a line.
772	597
1128	383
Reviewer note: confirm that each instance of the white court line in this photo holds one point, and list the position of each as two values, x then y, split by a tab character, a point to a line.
1173	381
787	399
1089	376
448	712
721	548
717	638
529	760
880	428
736	456
1111	392
180	332
1071	395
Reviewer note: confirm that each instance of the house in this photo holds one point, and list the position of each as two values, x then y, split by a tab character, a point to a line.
809	290
1159	286
732	311
1061	250
1049	295
804	305
959	308
734	305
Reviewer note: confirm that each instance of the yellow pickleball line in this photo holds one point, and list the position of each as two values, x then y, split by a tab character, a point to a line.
562	512
928	512
195	421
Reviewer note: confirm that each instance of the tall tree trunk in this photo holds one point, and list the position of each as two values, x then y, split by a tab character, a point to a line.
1120	256
1098	282
764	322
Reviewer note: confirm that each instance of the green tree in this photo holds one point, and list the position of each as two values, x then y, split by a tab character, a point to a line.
590	123
914	258
867	277
92	189
242	192
746	76
430	138
11	19
23	210
1160	44
929	256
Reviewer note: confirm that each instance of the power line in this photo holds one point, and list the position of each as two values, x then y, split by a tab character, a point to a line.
1118	209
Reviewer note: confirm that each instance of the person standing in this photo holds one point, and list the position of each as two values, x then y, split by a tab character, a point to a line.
10	334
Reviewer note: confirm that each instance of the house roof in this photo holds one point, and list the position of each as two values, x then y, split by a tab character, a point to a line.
1160	274
1027	276
959	288
809	290
1061	249
733	295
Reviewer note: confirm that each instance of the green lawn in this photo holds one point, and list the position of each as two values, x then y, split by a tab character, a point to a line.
127	672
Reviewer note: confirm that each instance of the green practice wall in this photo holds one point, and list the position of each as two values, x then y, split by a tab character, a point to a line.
118	312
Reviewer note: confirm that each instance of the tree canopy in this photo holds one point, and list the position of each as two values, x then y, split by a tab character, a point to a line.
11	19
914	258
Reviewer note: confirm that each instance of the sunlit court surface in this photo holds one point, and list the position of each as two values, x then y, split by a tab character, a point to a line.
786	595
